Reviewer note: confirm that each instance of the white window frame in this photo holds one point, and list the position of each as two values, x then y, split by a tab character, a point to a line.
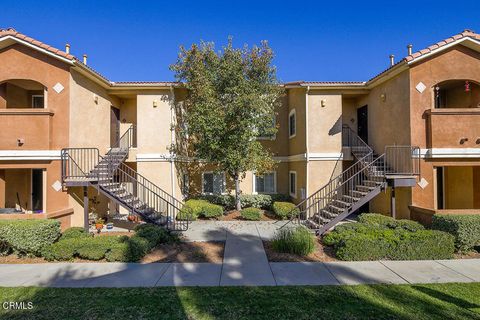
294	113
294	195
224	182
37	96
254	187
273	136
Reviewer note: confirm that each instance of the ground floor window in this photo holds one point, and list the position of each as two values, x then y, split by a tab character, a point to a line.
213	182
292	178
265	183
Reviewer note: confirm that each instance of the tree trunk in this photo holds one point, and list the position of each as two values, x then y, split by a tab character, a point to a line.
238	205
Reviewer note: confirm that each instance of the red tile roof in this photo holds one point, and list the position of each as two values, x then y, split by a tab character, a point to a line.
12	32
465	34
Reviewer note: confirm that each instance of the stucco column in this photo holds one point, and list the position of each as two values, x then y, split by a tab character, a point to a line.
392	203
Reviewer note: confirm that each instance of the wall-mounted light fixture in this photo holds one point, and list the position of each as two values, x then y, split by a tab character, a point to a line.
155	103
478	141
323	103
95	98
20	141
463	140
383	97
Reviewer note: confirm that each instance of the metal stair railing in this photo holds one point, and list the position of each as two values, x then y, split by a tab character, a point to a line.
78	163
159	206
402	160
126	141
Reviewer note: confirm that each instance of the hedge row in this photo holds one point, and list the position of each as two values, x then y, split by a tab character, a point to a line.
27	236
262	201
377	237
77	244
465	229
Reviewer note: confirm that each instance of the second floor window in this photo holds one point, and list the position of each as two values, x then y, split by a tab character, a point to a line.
213	183
292	124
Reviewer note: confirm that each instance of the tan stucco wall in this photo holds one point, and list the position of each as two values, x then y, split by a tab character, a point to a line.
128	114
297	100
154	135
89	121
324	123
455	63
349	112
403	196
279	146
389	120
300	167
320	173
20	62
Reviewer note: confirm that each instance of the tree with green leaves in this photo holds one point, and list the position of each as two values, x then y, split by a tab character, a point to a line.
231	100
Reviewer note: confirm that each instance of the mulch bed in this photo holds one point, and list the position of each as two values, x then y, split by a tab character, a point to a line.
321	254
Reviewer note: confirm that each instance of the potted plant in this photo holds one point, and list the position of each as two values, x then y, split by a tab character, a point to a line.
99	224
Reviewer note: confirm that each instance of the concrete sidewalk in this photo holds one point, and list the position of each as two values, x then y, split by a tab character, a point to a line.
80	275
245	264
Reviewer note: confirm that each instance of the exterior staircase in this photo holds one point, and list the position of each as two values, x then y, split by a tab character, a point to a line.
358	184
120	183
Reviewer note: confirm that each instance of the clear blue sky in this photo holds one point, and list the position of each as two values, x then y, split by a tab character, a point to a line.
138	40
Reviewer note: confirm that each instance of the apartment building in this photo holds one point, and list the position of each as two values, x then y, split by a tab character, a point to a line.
419	120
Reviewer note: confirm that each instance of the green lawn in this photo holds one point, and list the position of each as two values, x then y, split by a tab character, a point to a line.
436	301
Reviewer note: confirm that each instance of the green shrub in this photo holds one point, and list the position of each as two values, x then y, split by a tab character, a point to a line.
465	229
91	250
212	211
119	252
294	240
5	248
381	220
62	250
75	232
251	214
360	241
155	235
285	210
29	236
262	201
186	213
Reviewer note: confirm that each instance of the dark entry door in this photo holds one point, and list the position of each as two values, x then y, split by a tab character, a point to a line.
362	123
37	189
114	125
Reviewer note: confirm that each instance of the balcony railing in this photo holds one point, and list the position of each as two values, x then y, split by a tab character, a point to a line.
452	128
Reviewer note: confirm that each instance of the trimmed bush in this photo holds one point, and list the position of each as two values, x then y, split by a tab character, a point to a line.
251	214
75	232
285	210
361	241
212	211
294	240
465	229
389	222
186	213
29	236
62	250
155	235
262	201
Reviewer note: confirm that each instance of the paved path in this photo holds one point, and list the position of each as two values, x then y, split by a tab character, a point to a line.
209	274
245	264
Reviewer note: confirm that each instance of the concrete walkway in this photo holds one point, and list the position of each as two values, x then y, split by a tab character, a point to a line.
80	275
245	264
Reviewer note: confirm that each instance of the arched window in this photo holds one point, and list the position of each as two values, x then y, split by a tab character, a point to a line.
457	94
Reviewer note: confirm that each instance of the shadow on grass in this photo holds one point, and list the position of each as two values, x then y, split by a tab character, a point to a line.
89	299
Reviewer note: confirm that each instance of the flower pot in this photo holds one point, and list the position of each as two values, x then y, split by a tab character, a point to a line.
99	226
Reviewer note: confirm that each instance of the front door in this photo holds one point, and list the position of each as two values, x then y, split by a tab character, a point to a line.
362	123
37	190
114	125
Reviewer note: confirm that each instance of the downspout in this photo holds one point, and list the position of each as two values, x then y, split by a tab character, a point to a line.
306	141
172	139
